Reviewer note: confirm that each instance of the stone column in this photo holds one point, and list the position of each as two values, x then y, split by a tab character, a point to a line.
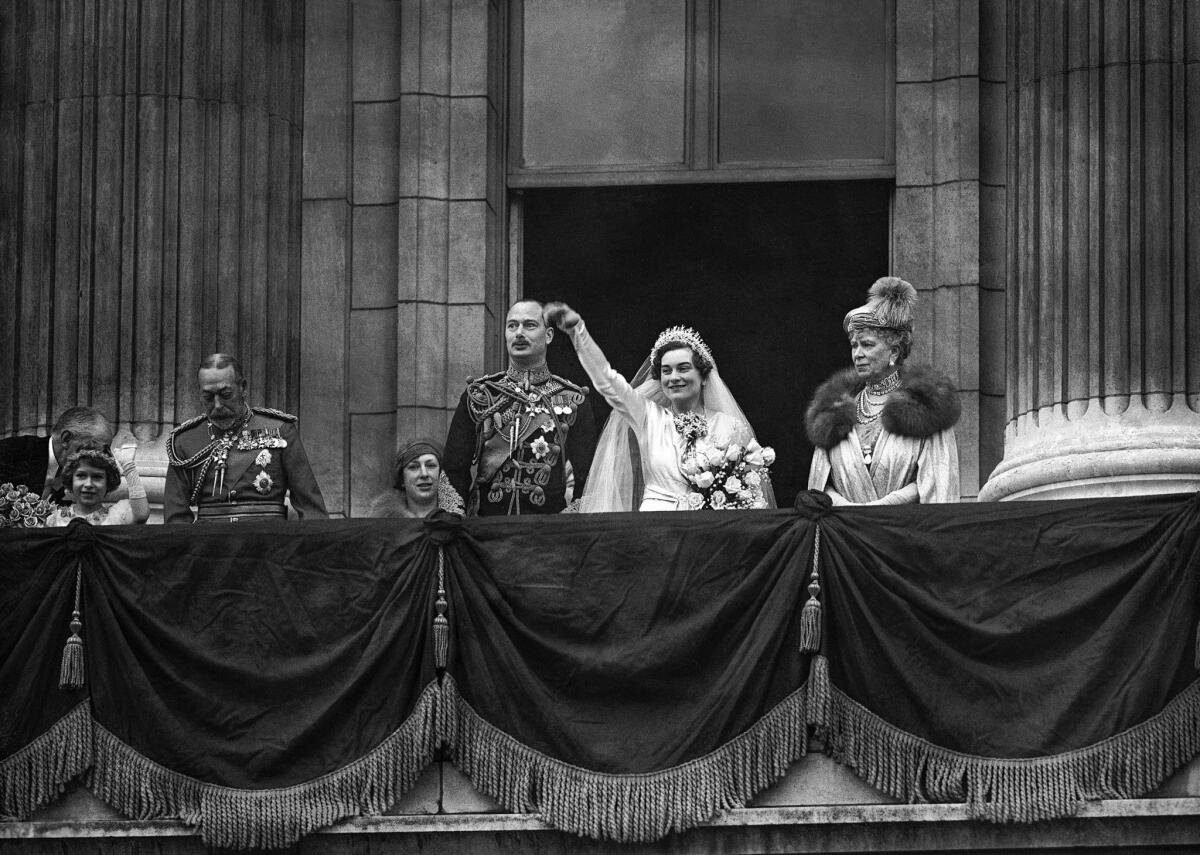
403	235
1103	274
935	222
149	167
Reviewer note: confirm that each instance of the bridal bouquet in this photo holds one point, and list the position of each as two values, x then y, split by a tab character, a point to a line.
20	508
727	476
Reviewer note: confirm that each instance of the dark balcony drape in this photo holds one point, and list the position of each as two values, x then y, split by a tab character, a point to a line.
621	675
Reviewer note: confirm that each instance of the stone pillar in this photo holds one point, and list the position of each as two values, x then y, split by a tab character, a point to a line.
403	236
935	222
1103	275
149	167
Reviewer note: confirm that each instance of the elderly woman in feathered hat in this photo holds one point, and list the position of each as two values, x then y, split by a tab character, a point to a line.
884	430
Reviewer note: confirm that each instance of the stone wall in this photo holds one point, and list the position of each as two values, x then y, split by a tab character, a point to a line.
404	238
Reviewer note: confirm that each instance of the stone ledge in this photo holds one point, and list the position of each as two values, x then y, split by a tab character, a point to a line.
737	818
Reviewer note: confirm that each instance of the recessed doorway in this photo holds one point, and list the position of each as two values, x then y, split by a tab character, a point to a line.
764	272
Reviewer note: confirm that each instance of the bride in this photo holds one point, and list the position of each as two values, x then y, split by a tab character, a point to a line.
677	399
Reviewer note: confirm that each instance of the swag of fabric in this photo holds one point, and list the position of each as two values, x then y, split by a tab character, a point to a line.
623	676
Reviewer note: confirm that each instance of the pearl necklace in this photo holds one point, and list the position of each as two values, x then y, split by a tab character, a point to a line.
869	402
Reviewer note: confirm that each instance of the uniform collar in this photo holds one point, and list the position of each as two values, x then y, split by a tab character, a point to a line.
528	377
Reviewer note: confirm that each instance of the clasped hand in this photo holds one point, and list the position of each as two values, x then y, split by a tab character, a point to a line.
561	315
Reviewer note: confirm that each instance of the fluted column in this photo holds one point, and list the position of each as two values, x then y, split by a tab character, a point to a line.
1103	274
150	178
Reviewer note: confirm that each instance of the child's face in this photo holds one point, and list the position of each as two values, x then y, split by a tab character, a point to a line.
90	485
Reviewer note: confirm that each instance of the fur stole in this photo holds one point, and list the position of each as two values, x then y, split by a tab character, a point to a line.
925	404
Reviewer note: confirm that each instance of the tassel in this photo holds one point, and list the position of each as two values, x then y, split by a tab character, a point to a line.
71	674
441	626
810	615
819	698
810	621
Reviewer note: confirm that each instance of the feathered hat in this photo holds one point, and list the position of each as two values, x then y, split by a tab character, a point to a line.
890	303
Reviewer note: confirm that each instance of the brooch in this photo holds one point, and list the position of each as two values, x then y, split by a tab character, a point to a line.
263	459
263	482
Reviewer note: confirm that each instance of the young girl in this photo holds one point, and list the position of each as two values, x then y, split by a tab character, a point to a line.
93	474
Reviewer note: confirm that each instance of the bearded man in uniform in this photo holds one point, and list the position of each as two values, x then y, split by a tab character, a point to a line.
236	462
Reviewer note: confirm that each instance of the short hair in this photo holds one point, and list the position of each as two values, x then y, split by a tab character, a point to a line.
81	420
94	455
892	337
218	361
537	303
702	363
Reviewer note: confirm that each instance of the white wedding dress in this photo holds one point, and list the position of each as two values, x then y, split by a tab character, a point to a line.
611	484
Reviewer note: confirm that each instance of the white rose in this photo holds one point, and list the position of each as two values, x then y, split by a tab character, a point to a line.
690	467
715	456
753	445
753	478
768	455
760	503
717	500
733	452
733	484
704	480
701	446
754	458
745	495
695	501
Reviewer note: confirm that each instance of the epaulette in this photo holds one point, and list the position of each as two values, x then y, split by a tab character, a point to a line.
583	390
496	375
279	414
190	423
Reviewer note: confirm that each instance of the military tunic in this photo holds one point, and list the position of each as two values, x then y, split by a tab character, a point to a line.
244	472
518	428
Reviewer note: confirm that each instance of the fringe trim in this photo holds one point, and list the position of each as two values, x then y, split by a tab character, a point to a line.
1124	766
39	772
626	808
267	819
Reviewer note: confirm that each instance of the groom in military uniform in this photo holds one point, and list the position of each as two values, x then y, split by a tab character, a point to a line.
519	427
235	463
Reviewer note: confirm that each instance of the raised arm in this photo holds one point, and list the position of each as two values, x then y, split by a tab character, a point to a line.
139	506
615	388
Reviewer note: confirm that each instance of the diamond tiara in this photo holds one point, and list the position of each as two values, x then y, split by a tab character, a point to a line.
688	336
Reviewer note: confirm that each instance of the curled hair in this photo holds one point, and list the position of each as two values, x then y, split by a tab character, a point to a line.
702	363
94	455
900	339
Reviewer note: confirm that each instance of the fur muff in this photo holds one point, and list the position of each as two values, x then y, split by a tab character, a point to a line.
925	404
